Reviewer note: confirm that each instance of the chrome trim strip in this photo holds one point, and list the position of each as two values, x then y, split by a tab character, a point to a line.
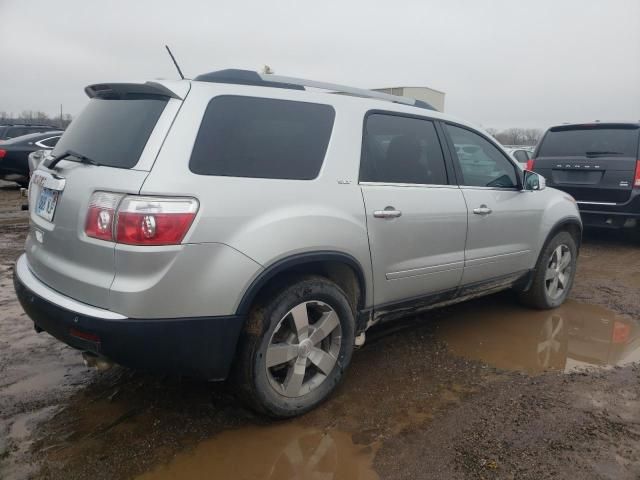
30	281
499	189
43	178
385	184
597	203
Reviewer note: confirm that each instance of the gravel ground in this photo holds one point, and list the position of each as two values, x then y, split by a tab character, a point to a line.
486	389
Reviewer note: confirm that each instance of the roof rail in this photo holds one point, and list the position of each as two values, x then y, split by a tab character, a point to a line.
248	77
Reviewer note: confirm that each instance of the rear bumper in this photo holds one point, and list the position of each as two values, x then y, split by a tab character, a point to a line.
201	347
611	215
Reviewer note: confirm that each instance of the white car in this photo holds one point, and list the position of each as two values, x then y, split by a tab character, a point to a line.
520	154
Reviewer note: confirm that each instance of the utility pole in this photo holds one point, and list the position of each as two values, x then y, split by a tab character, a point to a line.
60	115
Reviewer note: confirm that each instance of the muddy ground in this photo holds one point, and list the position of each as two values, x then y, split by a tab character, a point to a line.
485	389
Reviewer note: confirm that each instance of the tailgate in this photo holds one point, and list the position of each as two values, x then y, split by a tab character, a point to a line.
593	162
120	131
58	251
605	179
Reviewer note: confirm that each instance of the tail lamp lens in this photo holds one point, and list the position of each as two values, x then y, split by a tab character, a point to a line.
530	164
135	220
636	179
154	221
101	215
2	153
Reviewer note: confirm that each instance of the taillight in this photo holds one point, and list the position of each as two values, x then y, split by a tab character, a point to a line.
154	220
636	179
101	215
139	220
2	153
530	164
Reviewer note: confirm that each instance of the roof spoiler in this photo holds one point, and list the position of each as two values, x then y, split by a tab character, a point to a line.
121	91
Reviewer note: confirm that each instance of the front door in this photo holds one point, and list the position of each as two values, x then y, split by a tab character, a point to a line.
503	219
417	220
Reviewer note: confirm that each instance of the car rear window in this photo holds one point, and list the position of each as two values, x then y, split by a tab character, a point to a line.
262	138
590	140
112	132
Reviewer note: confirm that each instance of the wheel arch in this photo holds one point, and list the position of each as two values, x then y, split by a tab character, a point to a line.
570	224
339	267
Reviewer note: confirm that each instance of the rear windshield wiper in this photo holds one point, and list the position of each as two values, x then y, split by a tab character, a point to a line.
598	152
53	161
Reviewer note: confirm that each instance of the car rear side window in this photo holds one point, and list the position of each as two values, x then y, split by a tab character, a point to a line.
48	142
399	149
262	138
112	132
14	132
591	140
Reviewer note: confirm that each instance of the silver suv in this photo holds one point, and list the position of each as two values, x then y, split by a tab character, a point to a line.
254	227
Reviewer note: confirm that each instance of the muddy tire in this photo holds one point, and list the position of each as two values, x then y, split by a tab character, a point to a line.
295	347
554	273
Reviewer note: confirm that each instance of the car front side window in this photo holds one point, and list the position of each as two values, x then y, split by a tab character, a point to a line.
481	163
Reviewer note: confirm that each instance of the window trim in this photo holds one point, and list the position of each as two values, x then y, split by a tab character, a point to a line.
40	143
254	97
402	185
449	171
458	168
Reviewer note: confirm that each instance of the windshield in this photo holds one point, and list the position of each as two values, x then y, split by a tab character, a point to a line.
112	132
590	141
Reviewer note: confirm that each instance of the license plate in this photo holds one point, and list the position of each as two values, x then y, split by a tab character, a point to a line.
46	205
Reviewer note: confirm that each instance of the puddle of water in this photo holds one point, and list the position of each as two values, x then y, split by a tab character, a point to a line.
280	452
18	438
566	339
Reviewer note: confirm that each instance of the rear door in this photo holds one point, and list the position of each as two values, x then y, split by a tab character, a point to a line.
594	163
123	134
416	220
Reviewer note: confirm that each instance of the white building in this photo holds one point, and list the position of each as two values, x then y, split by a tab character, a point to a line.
433	97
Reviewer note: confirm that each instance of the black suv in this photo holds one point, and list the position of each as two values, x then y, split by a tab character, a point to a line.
598	164
14	130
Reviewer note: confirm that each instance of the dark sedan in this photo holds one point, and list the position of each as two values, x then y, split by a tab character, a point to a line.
14	154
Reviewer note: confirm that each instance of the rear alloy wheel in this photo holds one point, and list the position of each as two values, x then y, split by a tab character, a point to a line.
295	348
554	273
303	349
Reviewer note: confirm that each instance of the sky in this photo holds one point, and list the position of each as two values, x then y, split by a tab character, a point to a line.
502	63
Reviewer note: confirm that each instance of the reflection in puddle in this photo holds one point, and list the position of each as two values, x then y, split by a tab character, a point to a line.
571	337
281	452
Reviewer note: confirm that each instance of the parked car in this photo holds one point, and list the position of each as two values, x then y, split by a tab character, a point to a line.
14	153
256	229
521	154
598	164
14	130
36	158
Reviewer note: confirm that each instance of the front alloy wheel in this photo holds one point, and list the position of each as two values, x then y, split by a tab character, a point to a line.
553	274
558	272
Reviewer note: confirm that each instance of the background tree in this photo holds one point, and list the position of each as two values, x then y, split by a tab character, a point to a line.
33	116
516	136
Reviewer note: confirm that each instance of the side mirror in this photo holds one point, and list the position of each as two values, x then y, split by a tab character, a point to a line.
533	181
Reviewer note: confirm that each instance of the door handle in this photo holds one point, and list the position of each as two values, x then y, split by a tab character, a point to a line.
388	212
482	210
